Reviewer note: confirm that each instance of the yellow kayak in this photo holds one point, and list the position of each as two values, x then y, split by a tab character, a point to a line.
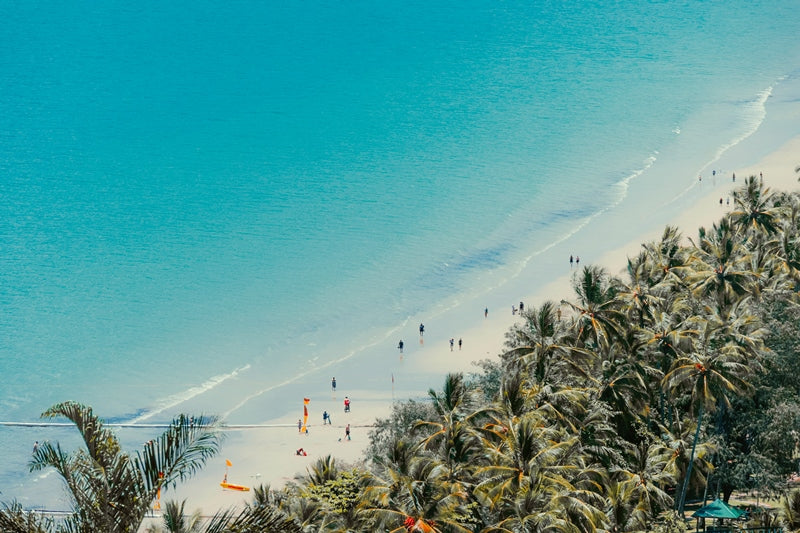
231	486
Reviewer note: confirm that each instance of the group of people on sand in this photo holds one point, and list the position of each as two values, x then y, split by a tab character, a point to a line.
401	345
326	420
576	259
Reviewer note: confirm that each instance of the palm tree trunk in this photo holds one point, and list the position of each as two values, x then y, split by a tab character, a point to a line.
691	462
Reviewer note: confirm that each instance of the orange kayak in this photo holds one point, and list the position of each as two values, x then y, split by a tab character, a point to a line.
231	486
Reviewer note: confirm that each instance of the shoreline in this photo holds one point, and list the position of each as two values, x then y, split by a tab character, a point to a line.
266	455
264	452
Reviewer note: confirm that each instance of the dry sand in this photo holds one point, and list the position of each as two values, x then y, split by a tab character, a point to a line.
266	454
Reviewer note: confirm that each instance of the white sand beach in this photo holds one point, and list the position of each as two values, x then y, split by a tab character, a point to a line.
267	454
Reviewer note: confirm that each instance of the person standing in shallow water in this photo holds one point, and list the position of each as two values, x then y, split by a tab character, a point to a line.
333	384
421	329
571	260
400	345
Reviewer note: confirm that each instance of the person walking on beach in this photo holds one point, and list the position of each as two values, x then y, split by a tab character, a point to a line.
36	446
347	432
346	404
459	345
486	313
333	384
571	260
521	307
452	342
400	345
299	425
421	329
577	261
326	418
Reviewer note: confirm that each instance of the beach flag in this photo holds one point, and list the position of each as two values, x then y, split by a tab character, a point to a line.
305	413
157	505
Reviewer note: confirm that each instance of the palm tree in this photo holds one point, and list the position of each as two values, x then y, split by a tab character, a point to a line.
176	521
324	469
311	515
455	399
790	507
535	464
637	295
112	490
638	494
555	403
449	434
622	384
14	519
786	259
719	265
598	312
513	450
754	211
537	343
679	443
711	374
601	441
417	498
668	259
525	512
252	519
669	335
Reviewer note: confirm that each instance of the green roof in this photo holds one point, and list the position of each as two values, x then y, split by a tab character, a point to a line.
718	509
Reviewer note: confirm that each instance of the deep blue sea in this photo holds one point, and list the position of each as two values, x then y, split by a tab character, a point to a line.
201	201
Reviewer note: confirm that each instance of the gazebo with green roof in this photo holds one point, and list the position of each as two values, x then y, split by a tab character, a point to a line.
720	510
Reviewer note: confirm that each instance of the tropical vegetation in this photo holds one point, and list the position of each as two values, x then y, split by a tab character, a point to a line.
611	410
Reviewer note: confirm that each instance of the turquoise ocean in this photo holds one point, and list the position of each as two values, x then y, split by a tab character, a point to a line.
206	206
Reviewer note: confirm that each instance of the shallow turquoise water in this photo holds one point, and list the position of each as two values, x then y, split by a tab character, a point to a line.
198	195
